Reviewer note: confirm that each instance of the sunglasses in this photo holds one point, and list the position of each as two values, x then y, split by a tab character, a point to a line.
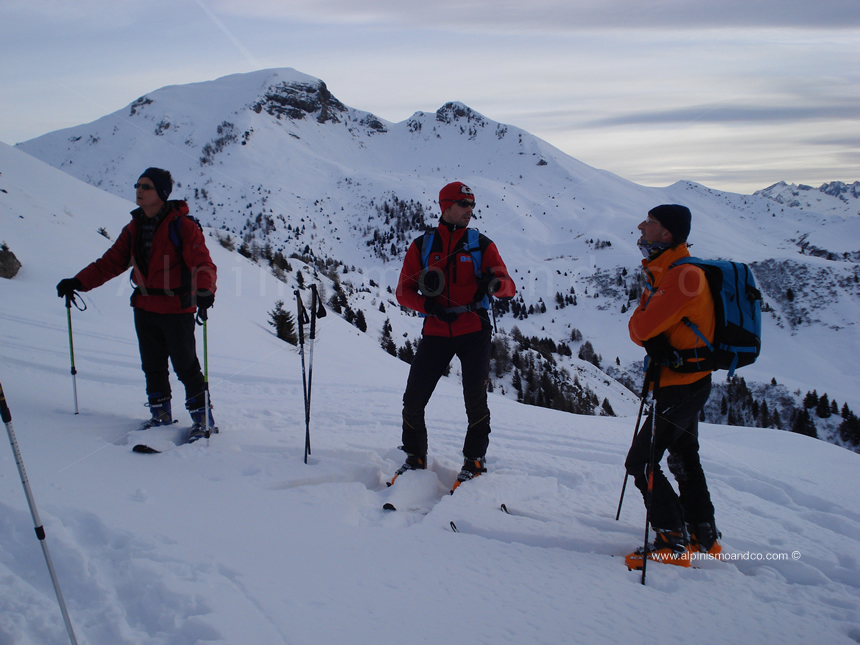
465	203
144	187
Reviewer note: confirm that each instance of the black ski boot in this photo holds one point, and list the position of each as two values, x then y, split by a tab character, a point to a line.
669	547
471	469
159	407
704	536
413	462
199	429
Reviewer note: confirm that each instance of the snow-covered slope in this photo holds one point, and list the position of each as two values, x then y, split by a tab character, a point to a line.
241	542
273	159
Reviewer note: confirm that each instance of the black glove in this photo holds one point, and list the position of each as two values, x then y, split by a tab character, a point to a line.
488	284
66	288
205	299
661	352
433	308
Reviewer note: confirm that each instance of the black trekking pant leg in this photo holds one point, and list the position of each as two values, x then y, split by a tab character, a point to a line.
431	359
474	353
154	354
684	463
677	409
163	336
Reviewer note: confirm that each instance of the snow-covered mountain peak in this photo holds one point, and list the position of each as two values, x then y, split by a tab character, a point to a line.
455	111
830	197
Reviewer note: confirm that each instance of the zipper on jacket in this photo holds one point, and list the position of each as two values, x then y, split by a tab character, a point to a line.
448	265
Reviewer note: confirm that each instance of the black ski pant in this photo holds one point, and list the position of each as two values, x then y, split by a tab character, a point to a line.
163	336
432	358
677	410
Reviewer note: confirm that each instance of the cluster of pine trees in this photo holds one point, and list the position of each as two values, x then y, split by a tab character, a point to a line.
539	380
849	427
518	308
401	221
772	406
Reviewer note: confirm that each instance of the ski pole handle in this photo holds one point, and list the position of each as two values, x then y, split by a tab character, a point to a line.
5	414
320	309
301	317
313	311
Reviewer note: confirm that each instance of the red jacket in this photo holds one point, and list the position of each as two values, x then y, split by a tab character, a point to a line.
164	266
677	293
459	281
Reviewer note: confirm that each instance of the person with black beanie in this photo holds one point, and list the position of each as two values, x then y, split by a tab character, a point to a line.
675	297
174	278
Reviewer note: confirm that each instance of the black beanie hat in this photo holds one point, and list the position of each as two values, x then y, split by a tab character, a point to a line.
675	219
162	181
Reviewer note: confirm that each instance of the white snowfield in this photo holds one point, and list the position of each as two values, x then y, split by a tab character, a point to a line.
239	542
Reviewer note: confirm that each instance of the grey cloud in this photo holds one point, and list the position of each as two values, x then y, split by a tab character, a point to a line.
847	142
735	114
563	15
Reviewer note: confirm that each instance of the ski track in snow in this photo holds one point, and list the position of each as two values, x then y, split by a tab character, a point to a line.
559	483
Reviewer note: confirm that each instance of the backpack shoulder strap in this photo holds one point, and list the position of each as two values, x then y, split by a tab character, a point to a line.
689	260
426	247
475	244
174	230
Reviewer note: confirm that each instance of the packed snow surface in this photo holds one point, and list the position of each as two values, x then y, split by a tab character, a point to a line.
239	541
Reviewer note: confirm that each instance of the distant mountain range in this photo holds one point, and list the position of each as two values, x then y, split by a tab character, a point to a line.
816	199
284	169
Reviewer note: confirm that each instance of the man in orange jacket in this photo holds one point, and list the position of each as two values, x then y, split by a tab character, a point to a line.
174	277
443	283
673	295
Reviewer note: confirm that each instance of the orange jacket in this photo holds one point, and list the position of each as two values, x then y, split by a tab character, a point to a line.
164	263
459	281
674	294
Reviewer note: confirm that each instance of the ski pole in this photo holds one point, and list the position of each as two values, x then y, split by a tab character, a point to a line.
69	300
651	465
206	371
40	531
645	385
317	311
302	317
202	319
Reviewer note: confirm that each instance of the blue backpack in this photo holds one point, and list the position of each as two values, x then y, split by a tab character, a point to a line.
737	308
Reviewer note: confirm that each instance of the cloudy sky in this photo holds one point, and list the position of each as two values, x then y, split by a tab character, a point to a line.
735	94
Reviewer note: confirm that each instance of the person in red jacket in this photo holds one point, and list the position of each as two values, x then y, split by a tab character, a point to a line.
441	281
674	294
174	277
